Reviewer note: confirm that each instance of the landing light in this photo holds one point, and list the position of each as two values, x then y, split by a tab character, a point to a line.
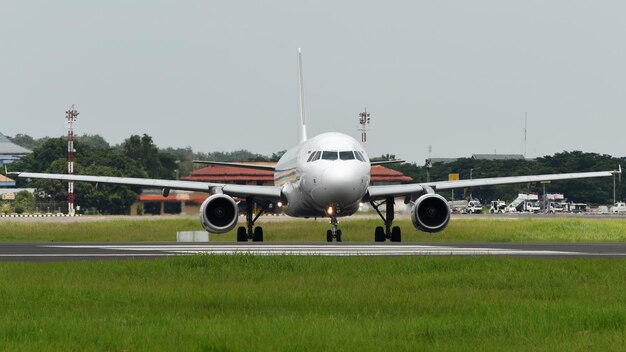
279	204
330	210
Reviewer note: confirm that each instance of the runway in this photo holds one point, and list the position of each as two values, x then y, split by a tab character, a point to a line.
45	252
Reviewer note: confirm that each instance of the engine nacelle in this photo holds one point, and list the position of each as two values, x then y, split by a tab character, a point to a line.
219	213
430	213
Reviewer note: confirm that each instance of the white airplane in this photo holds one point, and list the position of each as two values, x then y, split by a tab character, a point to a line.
324	176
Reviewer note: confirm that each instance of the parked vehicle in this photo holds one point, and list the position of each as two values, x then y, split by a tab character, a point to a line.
497	207
554	207
524	203
473	207
576	207
619	208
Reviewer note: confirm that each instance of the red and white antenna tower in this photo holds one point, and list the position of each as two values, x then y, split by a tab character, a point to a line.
364	120
71	116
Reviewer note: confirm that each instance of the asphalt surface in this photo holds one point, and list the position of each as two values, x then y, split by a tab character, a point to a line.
46	252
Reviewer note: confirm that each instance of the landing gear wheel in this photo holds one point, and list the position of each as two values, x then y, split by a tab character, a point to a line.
329	236
379	234
242	235
338	237
396	234
258	234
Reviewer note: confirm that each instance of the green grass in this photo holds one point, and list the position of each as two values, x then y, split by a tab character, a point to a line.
355	230
102	231
214	303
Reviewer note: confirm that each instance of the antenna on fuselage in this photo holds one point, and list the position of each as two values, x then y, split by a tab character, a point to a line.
303	136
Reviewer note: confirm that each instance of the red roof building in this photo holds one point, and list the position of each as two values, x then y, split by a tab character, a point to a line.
245	176
385	176
232	174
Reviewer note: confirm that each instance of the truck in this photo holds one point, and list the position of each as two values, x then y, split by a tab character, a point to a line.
619	208
575	207
554	207
473	207
524	203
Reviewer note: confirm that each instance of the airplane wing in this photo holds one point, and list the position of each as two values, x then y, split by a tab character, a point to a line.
379	192
384	162
264	192
244	165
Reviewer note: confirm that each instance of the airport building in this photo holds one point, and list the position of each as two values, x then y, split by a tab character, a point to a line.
6	182
9	151
153	202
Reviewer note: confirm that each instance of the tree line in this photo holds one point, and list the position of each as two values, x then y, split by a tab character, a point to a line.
595	191
137	156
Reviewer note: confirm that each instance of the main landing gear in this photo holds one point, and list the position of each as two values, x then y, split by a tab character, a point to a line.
388	232
250	232
334	232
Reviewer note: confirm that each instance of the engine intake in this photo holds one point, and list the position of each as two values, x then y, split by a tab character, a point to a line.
430	213
219	213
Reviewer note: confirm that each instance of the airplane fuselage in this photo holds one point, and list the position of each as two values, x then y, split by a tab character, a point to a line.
331	170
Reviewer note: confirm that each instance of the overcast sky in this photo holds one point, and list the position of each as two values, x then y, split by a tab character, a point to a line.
221	75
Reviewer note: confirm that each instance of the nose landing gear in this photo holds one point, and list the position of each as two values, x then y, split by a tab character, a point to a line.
334	232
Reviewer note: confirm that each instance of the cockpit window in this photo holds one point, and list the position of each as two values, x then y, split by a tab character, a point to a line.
359	156
347	155
314	156
329	155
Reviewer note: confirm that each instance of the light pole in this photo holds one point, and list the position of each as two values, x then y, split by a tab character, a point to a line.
472	172
471	177
614	200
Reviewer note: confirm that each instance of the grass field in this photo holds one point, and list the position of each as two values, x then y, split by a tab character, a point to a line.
355	230
222	303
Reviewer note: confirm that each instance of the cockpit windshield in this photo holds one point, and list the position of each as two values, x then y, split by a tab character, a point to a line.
346	155
329	155
333	155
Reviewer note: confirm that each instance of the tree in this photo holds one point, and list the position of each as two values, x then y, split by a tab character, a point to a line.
593	191
276	156
28	142
93	140
157	164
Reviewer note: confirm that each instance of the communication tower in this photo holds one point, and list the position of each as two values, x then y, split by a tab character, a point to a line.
71	116
525	132
364	120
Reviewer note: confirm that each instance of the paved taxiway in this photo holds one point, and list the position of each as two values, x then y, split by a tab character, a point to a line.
39	252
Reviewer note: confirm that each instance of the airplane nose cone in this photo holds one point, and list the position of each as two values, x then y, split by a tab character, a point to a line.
342	184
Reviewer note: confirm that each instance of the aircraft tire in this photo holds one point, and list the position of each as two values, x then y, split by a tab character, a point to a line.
396	234
329	236
258	234
379	234
339	238
242	235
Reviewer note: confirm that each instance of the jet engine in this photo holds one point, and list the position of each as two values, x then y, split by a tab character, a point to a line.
430	213
219	213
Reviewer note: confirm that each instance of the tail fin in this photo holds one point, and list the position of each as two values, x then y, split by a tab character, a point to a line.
302	137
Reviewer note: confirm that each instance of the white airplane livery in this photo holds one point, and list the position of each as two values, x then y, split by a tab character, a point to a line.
325	176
